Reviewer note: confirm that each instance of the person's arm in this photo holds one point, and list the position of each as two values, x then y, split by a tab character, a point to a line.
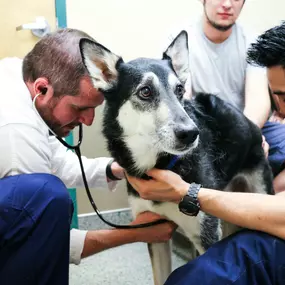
257	100
20	150
25	152
65	165
97	241
84	244
250	210
257	97
256	90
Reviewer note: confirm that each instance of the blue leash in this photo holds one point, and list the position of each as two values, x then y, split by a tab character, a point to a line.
172	162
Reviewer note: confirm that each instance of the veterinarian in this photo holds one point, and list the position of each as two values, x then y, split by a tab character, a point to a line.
230	77
254	255
50	89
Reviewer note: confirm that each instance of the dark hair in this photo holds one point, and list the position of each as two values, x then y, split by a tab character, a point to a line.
57	57
269	49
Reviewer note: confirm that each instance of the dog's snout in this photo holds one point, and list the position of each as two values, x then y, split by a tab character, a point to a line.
186	135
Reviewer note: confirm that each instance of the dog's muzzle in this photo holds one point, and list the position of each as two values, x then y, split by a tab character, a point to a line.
186	136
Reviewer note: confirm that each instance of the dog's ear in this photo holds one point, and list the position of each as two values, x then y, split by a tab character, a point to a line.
101	64
178	54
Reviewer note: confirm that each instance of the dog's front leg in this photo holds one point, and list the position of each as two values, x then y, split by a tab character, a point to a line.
160	256
160	253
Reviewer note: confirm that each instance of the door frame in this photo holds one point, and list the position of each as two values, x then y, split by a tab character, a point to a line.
61	22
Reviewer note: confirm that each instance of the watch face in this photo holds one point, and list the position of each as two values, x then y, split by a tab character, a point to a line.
190	205
187	207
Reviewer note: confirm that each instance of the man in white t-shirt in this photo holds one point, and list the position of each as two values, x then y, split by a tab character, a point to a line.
217	57
50	89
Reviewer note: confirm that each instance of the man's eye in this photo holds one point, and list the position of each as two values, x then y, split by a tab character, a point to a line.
80	109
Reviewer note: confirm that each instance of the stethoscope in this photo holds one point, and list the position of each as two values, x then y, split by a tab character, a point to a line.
76	149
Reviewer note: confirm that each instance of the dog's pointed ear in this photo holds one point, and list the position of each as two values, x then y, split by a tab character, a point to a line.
178	54
101	64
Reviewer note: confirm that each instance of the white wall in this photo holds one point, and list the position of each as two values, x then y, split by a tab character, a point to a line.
261	15
129	27
136	28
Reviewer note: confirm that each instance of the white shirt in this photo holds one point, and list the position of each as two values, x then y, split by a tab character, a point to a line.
26	146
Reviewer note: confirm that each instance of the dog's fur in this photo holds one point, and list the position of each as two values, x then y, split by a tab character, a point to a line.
146	122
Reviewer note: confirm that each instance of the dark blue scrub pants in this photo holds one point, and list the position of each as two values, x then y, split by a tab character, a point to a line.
245	258
35	215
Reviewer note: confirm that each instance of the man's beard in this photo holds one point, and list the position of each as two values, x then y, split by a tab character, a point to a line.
217	26
47	115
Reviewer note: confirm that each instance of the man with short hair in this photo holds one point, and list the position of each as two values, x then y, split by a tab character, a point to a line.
217	59
269	52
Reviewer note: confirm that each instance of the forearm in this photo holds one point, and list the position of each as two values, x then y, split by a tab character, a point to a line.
250	210
100	240
258	115
256	90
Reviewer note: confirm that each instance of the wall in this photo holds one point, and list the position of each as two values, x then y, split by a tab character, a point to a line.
137	28
260	15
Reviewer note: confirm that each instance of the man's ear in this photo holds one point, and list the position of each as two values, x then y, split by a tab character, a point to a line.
101	64
178	54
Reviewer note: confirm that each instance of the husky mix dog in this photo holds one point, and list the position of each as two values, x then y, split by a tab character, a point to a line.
147	124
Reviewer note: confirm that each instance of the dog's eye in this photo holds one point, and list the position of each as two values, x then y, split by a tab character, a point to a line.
179	91
145	92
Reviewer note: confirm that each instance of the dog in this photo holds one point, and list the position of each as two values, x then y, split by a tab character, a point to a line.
147	123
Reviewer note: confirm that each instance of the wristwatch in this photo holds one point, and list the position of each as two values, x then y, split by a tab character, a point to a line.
190	205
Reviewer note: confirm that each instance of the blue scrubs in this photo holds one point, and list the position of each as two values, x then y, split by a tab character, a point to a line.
245	258
35	216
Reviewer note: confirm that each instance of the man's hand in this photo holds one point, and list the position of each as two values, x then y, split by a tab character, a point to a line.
117	170
277	117
99	240
165	185
158	233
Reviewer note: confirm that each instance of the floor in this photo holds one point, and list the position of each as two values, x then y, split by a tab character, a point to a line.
124	265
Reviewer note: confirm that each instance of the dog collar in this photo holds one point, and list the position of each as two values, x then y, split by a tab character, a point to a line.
172	162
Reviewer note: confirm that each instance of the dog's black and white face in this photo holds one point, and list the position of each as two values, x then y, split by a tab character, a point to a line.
144	98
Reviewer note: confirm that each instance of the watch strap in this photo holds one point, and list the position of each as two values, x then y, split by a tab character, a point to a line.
193	192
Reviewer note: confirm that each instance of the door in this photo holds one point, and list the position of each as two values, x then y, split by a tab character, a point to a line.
14	13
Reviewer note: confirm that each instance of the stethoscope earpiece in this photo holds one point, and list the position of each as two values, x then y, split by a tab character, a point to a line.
43	91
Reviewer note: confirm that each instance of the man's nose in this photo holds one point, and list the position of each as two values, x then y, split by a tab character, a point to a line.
87	117
227	4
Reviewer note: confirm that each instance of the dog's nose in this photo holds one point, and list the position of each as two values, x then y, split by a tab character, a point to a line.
186	136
